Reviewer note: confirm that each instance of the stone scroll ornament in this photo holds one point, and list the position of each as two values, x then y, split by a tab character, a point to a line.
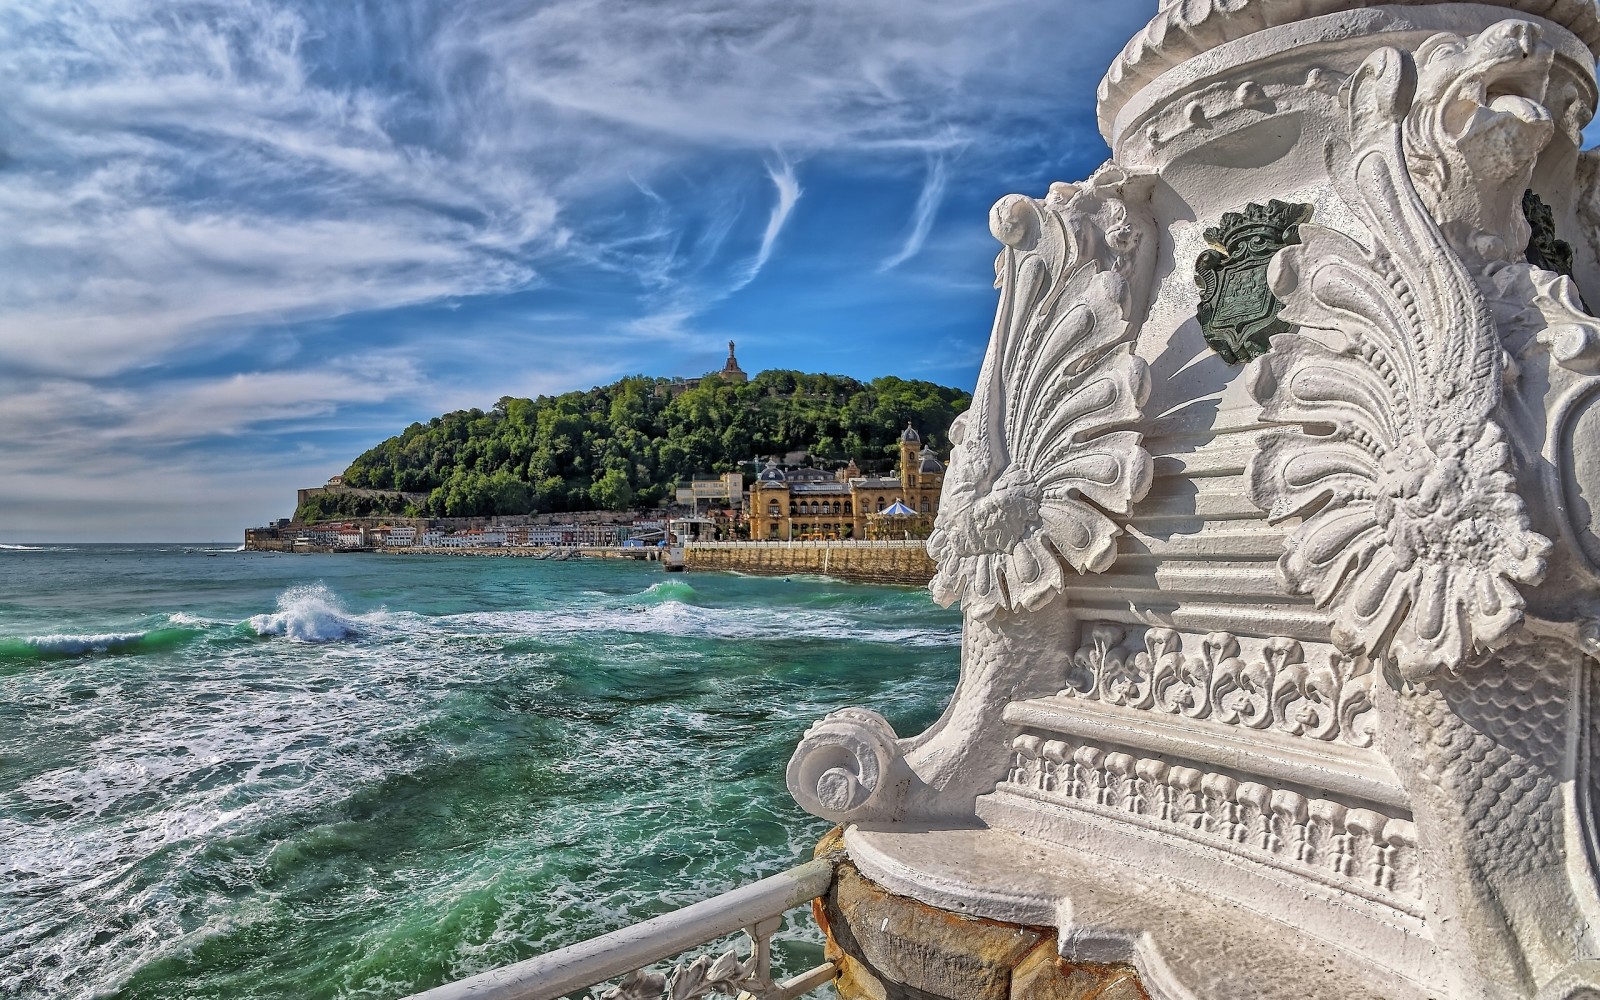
1412	534
1045	457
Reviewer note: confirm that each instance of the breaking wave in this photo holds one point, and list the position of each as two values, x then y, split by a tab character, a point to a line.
307	614
68	646
668	590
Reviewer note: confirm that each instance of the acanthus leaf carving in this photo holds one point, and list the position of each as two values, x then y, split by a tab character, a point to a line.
1412	534
1045	455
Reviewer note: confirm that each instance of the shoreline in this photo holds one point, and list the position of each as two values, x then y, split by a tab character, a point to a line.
894	562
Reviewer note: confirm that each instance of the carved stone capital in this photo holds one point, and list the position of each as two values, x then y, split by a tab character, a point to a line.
1185	29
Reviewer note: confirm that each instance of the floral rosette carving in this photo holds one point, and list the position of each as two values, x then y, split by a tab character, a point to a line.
1045	456
1412	533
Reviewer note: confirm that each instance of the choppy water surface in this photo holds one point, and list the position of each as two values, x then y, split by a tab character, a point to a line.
234	775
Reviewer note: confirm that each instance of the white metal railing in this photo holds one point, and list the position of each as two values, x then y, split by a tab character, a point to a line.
757	909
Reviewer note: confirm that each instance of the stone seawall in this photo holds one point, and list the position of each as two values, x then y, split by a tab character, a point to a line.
866	562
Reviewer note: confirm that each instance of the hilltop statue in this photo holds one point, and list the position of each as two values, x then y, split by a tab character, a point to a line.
1275	526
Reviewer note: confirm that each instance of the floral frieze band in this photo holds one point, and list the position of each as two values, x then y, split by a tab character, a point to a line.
1274	688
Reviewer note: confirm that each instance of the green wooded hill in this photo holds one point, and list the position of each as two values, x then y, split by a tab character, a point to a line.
626	445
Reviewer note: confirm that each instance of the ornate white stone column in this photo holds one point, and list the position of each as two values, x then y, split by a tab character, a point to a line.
1276	527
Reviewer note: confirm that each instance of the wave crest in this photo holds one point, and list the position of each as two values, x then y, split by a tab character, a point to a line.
63	646
667	590
310	613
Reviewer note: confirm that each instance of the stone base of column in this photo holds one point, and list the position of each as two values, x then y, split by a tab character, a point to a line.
890	947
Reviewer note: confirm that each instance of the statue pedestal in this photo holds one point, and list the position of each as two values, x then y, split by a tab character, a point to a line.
1276	531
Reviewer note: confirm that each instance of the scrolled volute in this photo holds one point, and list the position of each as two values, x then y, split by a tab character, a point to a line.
848	767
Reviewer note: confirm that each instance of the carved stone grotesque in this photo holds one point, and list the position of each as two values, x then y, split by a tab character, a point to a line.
1278	678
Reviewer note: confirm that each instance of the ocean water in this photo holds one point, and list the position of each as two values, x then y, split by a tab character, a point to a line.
239	775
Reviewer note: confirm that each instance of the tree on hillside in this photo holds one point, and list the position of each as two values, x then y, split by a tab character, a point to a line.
631	442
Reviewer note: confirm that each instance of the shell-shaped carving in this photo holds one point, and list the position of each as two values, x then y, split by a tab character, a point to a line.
1045	451
844	766
1412	534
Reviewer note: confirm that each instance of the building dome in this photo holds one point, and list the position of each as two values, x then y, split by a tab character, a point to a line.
770	473
930	462
910	434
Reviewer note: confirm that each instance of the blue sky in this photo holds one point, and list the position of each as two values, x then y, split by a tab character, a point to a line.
248	239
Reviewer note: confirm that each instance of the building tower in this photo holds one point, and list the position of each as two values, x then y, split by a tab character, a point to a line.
910	448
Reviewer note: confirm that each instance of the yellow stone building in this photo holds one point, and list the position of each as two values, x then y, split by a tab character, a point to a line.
798	504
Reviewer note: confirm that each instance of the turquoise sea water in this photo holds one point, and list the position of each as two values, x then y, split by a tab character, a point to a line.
234	775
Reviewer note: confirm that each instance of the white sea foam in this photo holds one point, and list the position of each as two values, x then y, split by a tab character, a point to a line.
307	614
674	618
215	760
21	548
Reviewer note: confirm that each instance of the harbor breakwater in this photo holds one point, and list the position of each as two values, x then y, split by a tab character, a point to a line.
905	562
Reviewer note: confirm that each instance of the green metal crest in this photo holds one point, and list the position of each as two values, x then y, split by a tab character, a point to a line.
1238	312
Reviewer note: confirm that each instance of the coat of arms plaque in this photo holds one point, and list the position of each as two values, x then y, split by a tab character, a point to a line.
1238	313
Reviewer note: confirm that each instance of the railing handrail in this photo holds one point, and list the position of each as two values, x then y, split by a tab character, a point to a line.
579	966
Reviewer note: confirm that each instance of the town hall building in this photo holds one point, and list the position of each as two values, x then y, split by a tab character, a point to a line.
794	504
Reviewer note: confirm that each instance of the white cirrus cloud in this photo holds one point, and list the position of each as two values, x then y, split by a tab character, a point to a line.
207	179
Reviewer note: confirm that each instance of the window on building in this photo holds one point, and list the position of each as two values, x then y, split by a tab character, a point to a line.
924	505
847	509
772	530
880	505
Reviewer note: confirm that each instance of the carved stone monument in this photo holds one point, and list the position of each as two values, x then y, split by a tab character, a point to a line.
1275	525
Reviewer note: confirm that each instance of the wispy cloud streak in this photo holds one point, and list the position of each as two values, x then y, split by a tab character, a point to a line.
788	190
922	215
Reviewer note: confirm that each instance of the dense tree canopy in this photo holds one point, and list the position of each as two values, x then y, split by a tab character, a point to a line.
627	444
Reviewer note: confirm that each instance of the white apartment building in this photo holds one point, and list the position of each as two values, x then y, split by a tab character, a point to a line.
404	535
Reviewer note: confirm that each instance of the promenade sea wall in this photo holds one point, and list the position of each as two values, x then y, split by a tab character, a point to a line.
904	562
